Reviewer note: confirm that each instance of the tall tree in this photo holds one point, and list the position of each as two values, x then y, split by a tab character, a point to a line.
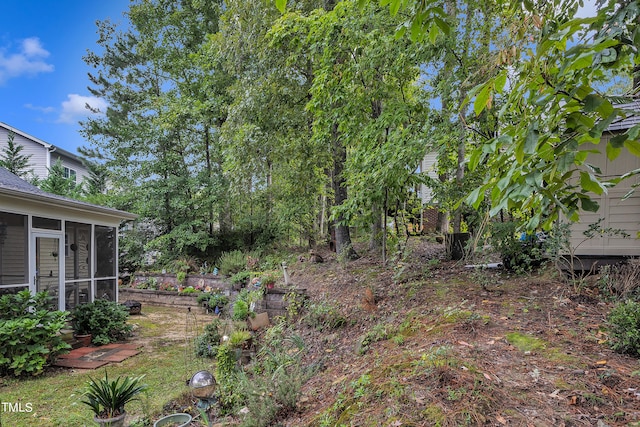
156	135
12	158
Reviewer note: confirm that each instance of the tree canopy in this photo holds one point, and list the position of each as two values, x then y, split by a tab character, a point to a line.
232	124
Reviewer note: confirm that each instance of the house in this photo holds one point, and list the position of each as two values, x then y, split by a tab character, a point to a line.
43	155
51	243
429	218
616	212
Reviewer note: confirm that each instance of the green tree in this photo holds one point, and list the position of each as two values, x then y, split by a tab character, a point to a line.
157	136
12	158
57	183
553	107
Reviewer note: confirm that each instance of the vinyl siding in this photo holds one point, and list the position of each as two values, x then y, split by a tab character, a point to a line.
428	166
615	212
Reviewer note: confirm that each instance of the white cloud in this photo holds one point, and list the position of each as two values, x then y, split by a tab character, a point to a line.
45	110
74	108
30	60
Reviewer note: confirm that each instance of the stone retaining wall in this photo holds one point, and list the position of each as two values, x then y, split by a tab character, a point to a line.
195	280
166	298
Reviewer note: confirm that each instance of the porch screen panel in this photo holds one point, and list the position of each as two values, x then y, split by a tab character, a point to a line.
77	263
77	251
14	258
105	249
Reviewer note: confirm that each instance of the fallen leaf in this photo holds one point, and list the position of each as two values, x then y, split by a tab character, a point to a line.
573	400
601	362
487	376
501	420
465	344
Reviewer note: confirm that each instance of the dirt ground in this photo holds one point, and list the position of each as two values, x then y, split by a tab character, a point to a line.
451	345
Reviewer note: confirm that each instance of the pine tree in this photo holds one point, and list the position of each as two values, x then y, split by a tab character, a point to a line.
12	159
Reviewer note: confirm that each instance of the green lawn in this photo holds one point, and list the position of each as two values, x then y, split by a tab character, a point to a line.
54	396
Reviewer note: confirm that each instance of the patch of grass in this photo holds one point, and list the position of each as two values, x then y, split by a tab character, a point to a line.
528	343
55	395
525	342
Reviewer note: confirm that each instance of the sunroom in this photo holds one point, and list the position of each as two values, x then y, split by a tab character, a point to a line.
55	244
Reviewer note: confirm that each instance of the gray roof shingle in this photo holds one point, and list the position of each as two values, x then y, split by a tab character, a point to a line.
11	184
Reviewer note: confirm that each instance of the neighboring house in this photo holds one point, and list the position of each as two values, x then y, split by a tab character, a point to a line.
614	212
43	155
430	213
51	243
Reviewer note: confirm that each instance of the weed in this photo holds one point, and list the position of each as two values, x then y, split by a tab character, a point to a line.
624	327
380	332
324	315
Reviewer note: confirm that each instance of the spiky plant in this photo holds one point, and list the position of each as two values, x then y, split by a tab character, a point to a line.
107	398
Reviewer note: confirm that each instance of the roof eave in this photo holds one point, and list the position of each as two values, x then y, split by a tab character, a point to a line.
70	204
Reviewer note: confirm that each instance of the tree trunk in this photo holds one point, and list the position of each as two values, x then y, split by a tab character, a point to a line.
344	247
375	241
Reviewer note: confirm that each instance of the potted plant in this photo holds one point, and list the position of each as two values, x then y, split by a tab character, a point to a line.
81	323
106	321
107	398
269	280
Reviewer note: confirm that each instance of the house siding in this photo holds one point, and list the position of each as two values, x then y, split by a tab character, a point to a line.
428	166
614	212
38	153
43	155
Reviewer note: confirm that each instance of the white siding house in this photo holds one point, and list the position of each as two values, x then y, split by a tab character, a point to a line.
614	212
43	155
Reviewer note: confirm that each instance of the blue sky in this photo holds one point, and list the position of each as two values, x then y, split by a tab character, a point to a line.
43	79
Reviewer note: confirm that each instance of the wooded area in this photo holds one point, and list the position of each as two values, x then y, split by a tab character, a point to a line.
231	124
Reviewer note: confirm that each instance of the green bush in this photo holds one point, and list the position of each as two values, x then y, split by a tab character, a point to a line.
206	345
29	333
106	321
624	328
323	315
240	310
232	262
241	278
518	255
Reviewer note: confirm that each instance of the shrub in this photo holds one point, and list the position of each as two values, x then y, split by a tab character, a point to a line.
241	278
624	328
232	262
516	254
29	333
106	321
240	310
206	345
324	315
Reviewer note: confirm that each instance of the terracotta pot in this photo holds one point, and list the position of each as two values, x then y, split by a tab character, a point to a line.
111	422
84	339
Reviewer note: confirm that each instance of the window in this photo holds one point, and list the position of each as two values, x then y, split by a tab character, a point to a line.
46	223
70	173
